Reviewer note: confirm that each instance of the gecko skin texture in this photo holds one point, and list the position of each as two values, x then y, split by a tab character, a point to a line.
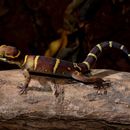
55	66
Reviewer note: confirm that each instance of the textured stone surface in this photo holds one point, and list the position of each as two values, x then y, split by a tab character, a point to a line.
77	107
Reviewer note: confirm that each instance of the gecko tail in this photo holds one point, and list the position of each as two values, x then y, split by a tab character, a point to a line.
97	50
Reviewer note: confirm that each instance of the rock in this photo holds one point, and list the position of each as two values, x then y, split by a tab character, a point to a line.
77	107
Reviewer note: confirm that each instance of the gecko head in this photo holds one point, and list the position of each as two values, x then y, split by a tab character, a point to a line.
9	52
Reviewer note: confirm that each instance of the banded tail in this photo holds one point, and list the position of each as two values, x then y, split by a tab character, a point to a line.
97	50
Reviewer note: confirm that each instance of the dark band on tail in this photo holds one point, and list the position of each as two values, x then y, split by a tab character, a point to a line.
96	51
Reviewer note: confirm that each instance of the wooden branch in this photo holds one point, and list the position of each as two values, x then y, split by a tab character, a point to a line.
77	106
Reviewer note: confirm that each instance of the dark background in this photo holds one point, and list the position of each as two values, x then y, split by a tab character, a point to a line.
31	25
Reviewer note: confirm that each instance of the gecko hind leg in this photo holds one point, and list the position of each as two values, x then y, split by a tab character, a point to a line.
98	82
23	87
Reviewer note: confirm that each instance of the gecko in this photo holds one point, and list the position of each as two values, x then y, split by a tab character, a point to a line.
55	66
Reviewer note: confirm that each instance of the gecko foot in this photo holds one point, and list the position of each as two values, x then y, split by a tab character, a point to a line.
102	84
23	89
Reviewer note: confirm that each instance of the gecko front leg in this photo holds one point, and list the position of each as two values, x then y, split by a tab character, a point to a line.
24	86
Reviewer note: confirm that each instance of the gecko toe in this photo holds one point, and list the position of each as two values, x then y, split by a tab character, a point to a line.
23	89
102	84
